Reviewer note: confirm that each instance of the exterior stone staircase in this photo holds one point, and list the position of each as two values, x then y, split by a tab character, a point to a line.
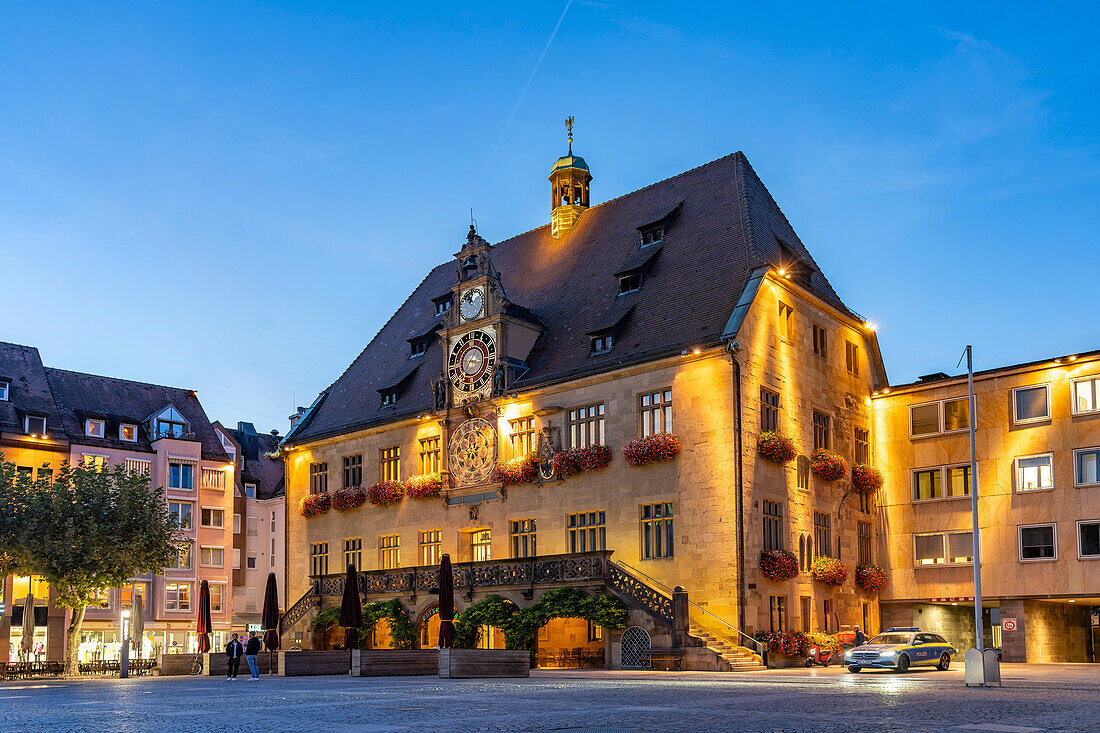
738	658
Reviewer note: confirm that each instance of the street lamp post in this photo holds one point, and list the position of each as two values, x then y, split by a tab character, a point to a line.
124	649
977	545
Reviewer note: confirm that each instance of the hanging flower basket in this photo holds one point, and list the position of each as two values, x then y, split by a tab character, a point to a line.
522	470
871	578
775	447
652	449
778	565
425	486
344	500
385	493
829	571
572	461
866	479
315	504
827	465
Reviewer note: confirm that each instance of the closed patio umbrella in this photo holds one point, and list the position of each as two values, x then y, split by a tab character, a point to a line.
351	611
137	624
446	603
270	620
27	642
204	617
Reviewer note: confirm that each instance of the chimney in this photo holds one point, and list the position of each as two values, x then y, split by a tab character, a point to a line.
296	417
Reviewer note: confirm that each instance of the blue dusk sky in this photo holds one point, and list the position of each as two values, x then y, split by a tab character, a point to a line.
234	197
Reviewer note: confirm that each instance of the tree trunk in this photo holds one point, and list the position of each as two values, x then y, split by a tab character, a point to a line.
72	642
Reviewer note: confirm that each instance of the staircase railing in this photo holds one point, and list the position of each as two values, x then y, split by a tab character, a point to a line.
652	599
755	644
301	607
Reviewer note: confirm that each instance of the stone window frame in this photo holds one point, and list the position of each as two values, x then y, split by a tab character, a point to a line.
523	537
1020	541
353	469
655	406
431	546
851	357
772	512
587	424
586	530
823	429
389	551
431	460
353	552
769	409
821	341
318	559
389	463
318	477
521	435
660	525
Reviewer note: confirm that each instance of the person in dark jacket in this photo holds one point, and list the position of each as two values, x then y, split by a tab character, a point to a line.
234	650
251	650
861	638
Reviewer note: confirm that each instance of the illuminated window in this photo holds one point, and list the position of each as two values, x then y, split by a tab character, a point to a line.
318	477
389	550
353	552
100	599
5	390
1030	404
863	533
822	437
821	535
217	597
587	531
36	585
821	342
1085	465
522	535
773	521
127	432
586	425
1035	473
778	611
522	436
212	517
657	531
943	548
927	484
1086	395
785	326
602	344
177	596
1038	542
353	471
481	545
180	511
182	560
944	416
389	464
95	427
429	455
656	412
318	558
862	441
212	557
128	594
431	546
99	463
769	410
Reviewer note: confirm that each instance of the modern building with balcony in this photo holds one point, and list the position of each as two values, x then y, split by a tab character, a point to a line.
1038	450
53	415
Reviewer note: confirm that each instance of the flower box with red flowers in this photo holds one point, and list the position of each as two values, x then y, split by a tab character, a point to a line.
572	461
315	504
522	470
829	571
827	465
424	486
385	493
652	449
775	447
871	578
778	565
344	500
790	643
866	479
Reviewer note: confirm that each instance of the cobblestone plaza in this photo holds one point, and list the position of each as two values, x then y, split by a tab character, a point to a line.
1049	698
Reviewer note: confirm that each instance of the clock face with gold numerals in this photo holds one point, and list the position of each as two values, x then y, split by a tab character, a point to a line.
472	360
473	451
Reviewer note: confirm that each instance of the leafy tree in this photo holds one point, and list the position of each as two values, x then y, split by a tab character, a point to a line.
83	530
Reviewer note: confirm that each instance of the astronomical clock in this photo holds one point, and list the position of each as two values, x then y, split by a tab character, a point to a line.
473	451
472	360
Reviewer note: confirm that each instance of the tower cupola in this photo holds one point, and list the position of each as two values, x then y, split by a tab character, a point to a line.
569	180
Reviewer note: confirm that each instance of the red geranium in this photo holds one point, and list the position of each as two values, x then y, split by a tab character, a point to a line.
652	449
791	643
775	447
424	486
567	462
522	470
829	571
315	504
344	500
385	493
871	578
828	465
865	478
778	565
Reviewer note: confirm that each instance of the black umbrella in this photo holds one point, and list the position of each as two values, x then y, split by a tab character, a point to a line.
446	604
204	617
351	612
270	620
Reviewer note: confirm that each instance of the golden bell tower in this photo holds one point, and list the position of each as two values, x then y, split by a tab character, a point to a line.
569	180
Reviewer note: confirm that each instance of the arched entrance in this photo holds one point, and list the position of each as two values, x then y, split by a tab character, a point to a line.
636	648
428	627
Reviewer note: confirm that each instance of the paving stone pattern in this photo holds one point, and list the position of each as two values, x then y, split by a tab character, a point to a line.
547	701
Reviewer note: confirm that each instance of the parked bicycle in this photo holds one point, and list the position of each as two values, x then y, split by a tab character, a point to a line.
195	667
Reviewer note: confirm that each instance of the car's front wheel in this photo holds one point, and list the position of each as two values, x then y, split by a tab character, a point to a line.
854	669
945	662
903	664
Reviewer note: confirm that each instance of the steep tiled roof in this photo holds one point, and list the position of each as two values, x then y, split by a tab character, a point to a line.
726	225
29	391
266	473
79	395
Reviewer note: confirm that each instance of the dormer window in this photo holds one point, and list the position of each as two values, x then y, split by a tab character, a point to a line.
418	348
630	283
5	390
653	234
169	424
35	425
442	304
95	427
389	398
127	432
602	344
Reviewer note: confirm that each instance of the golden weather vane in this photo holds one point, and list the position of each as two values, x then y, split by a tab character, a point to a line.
569	126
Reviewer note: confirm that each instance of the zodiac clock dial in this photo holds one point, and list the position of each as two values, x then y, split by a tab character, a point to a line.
473	451
472	304
472	360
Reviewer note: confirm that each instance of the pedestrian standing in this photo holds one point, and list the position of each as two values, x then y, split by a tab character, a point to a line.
234	650
251	650
861	638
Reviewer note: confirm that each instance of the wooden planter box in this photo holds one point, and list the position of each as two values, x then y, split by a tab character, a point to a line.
394	662
301	664
216	665
464	663
170	665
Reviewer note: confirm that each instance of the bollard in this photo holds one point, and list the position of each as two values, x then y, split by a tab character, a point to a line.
975	672
991	668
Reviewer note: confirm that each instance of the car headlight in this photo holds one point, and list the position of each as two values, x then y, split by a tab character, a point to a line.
848	654
887	655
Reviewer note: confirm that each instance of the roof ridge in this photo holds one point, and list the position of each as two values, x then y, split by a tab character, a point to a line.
118	379
18	346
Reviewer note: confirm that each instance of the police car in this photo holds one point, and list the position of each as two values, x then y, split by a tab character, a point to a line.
899	649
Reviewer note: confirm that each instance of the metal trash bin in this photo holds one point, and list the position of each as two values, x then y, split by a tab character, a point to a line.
991	667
